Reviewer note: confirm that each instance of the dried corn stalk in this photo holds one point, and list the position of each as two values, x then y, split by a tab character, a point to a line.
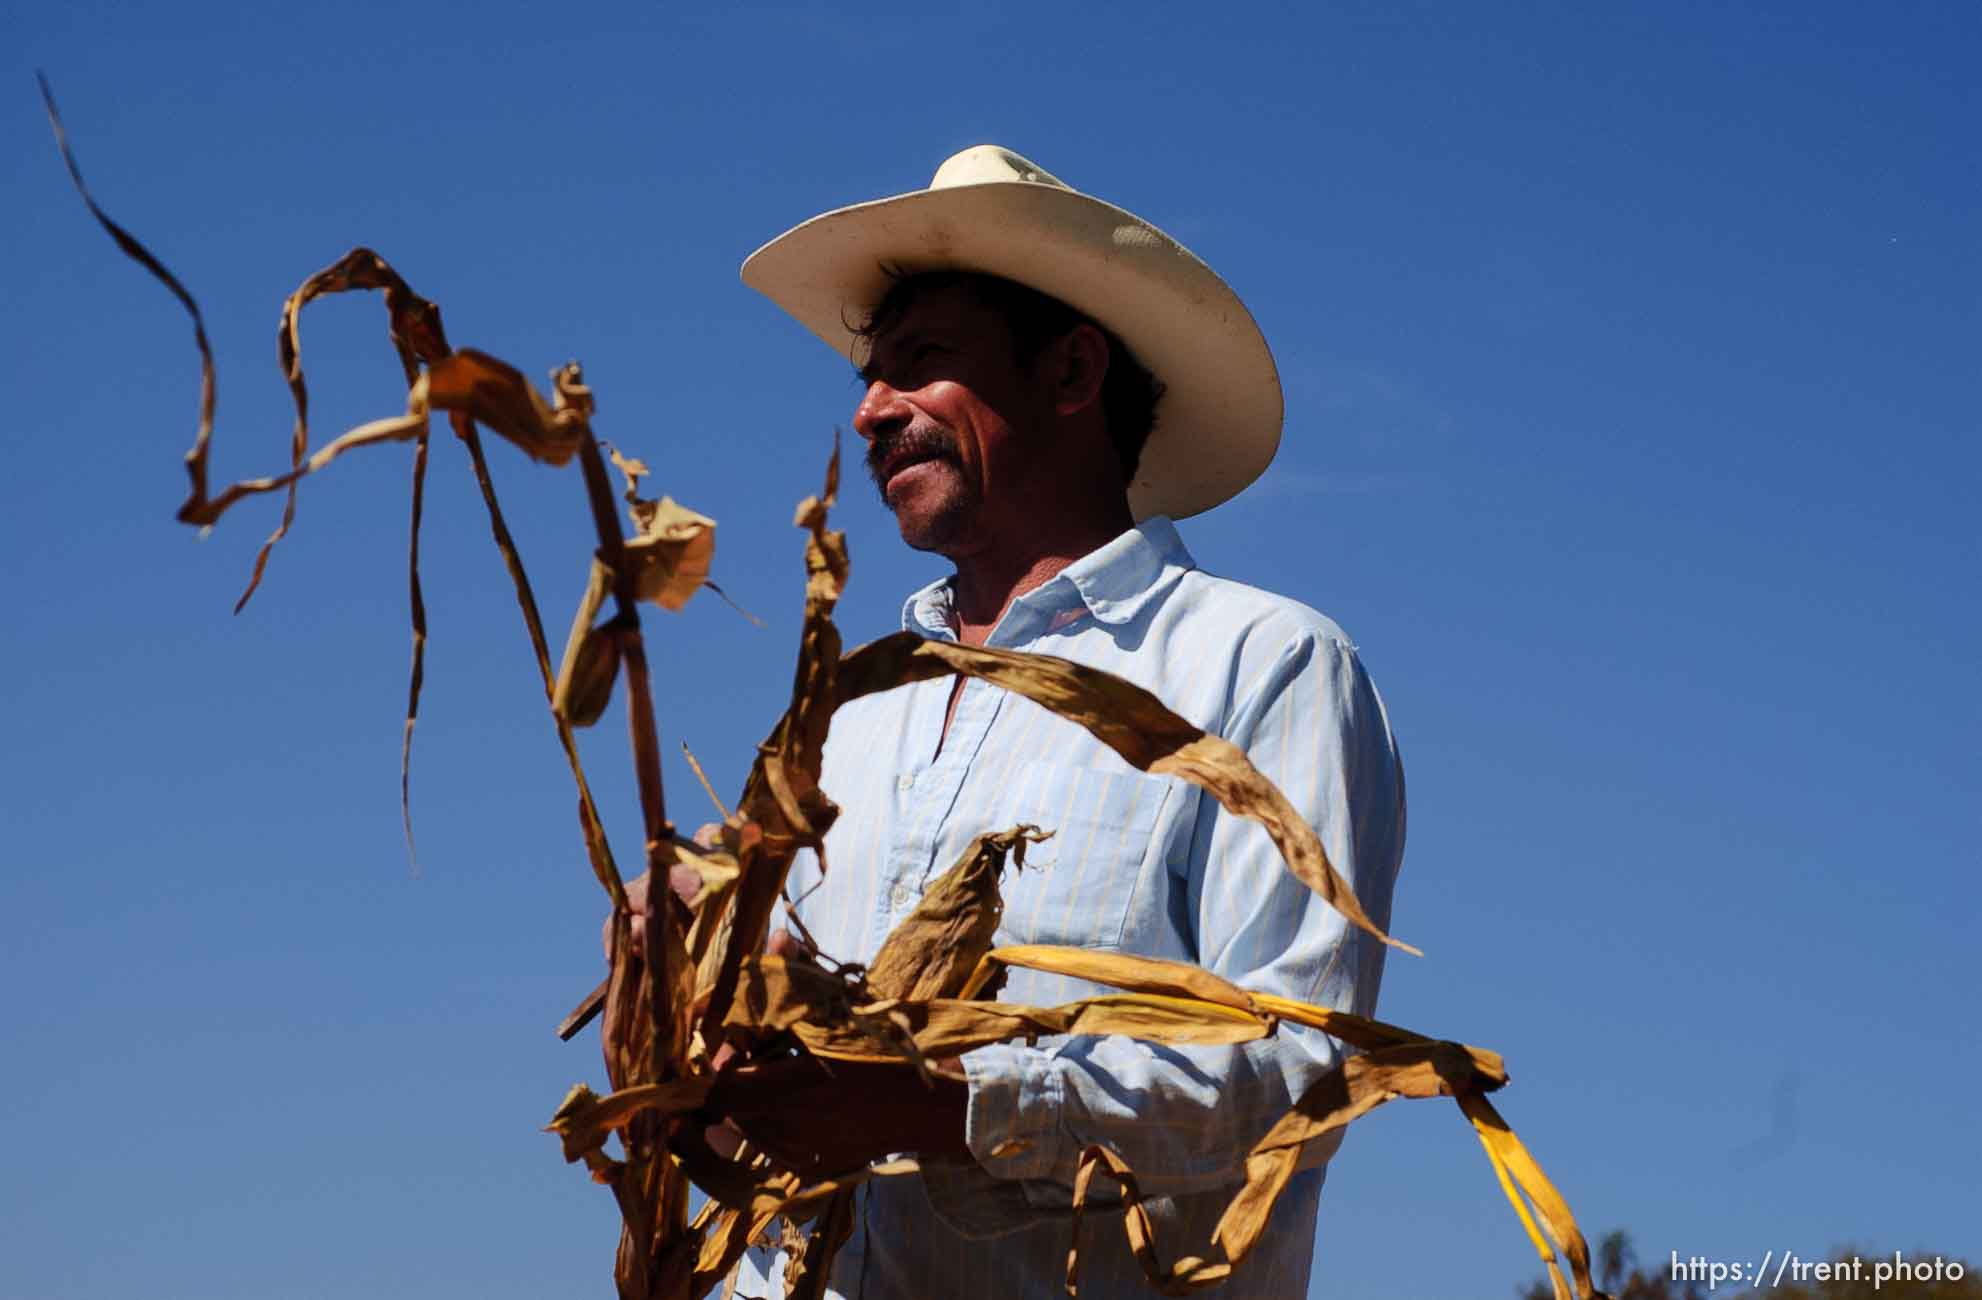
701	982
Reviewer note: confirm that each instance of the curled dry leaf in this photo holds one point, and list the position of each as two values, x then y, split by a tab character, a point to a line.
584	1119
1346	1093
496	394
672	546
591	661
938	945
670	557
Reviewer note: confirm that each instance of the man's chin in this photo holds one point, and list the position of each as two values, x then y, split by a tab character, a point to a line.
939	530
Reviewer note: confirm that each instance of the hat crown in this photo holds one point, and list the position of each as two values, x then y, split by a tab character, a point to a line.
986	164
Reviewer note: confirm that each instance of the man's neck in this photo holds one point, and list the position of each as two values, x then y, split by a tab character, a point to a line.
988	581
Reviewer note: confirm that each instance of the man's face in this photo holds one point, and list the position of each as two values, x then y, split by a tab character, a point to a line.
952	422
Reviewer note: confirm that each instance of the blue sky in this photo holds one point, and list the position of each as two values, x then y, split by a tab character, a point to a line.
1630	362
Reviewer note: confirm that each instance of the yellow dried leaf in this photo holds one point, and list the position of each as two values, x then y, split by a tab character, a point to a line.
1124	970
1510	1155
942	1027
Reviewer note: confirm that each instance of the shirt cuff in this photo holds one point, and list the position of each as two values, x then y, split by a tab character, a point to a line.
1012	1126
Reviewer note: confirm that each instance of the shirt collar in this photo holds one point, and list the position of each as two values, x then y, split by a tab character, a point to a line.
1114	583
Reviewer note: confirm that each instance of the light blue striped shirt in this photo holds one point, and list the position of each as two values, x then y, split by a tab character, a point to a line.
1138	864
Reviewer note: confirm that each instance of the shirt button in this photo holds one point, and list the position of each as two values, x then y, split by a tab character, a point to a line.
905	782
900	898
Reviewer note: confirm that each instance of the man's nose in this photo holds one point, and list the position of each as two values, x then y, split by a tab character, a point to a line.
882	410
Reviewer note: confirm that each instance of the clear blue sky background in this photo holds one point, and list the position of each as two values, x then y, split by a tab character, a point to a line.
1630	357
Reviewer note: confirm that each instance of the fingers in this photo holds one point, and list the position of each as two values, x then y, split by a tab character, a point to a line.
636	900
723	1139
786	944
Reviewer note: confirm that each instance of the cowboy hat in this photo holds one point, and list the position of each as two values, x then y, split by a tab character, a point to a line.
990	210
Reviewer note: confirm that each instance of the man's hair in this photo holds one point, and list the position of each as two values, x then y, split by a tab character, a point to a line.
1129	393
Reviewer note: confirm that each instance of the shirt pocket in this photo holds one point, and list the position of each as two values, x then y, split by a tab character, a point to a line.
1078	887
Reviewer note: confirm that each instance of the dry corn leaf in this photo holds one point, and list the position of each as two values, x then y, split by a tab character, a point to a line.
417	336
1157	975
670	557
1358	1086
775	993
495	393
584	1119
807	1269
673	546
591	660
1351	1090
943	1027
414	323
938	946
1130	721
586	678
1510	1157
1124	970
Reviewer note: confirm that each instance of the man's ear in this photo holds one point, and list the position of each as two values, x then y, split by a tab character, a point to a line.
1078	363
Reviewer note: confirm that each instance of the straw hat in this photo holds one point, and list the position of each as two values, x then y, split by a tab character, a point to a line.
990	210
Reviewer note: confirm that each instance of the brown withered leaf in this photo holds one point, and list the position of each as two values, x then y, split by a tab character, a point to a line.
415	326
807	1269
943	1027
1353	1089
672	547
415	329
417	335
417	673
495	393
584	1119
775	993
1130	721
938	945
671	555
1358	1086
590	666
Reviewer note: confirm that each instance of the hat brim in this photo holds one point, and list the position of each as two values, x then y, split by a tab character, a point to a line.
1218	423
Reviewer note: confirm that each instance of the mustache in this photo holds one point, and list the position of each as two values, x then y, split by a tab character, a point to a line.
919	440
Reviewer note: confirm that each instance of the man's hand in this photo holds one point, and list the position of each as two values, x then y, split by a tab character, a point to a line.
724	1137
685	882
826	1118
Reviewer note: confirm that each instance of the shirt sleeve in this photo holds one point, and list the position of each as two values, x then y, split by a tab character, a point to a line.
1184	1117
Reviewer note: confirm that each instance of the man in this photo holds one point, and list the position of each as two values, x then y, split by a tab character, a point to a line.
1017	338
